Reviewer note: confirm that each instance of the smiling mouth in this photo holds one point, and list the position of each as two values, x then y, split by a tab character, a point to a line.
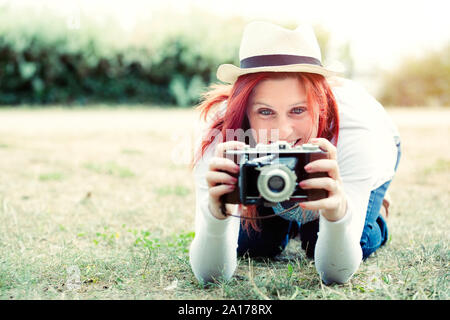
292	143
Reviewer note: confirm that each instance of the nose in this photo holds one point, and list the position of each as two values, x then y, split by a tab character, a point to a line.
283	132
285	129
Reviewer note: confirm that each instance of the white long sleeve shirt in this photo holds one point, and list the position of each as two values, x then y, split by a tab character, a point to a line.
366	156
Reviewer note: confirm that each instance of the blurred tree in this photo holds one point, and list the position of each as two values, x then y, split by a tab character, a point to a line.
419	81
345	56
42	61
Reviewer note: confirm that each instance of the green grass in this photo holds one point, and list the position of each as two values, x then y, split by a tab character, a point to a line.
132	151
118	221
172	190
52	176
109	168
439	166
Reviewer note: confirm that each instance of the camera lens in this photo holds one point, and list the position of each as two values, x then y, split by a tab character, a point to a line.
276	183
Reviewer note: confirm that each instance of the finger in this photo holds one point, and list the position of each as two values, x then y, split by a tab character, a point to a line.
324	165
229	145
215	177
223	164
221	189
320	183
330	203
326	145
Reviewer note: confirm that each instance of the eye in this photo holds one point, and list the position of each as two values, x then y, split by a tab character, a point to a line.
265	112
298	110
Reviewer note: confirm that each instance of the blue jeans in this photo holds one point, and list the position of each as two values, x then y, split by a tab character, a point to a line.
276	232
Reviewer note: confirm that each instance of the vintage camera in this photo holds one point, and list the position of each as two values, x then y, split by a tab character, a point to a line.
270	173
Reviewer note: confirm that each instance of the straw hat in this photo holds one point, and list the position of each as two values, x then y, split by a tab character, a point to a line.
268	47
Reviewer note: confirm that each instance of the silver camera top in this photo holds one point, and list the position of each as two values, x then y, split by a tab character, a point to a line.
283	145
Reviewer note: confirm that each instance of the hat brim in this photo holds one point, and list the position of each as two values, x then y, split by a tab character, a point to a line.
229	73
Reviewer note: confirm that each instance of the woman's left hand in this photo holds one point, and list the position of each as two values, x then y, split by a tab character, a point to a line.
333	207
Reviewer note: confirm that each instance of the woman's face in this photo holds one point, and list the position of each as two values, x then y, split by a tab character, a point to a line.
277	110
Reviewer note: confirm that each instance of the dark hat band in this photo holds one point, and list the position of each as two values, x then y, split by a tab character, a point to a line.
270	60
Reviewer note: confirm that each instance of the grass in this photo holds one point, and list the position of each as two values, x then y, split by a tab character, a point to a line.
109	168
55	176
172	190
94	204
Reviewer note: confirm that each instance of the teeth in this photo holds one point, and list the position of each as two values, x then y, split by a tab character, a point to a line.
290	142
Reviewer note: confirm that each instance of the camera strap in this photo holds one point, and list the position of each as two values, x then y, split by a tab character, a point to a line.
226	214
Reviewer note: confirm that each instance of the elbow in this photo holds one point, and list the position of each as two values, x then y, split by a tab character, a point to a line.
207	271
196	267
334	271
340	276
205	276
212	277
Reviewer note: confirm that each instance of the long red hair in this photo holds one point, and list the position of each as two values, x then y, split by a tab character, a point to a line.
321	104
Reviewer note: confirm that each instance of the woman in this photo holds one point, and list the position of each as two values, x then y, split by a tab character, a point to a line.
281	92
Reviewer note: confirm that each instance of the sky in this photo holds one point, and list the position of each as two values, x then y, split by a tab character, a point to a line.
381	33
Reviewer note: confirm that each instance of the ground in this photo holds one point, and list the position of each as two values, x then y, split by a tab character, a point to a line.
98	203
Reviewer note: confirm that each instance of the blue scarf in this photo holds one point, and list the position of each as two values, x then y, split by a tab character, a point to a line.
296	214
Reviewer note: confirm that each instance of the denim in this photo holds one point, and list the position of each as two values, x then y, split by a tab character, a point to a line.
276	232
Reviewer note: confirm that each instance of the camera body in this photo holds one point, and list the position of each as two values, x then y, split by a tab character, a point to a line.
270	173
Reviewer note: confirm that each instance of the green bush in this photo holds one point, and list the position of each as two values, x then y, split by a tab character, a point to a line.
419	81
42	61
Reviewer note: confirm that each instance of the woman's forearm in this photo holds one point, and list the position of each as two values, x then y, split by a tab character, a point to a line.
338	252
213	254
212	258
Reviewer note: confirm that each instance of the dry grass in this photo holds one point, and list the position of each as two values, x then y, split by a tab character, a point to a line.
94	204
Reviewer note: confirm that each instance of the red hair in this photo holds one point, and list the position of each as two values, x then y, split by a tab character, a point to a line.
320	103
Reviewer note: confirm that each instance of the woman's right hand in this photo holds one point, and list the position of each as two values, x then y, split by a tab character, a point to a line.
219	180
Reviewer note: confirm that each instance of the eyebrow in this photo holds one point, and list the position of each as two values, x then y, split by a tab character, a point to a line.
268	105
